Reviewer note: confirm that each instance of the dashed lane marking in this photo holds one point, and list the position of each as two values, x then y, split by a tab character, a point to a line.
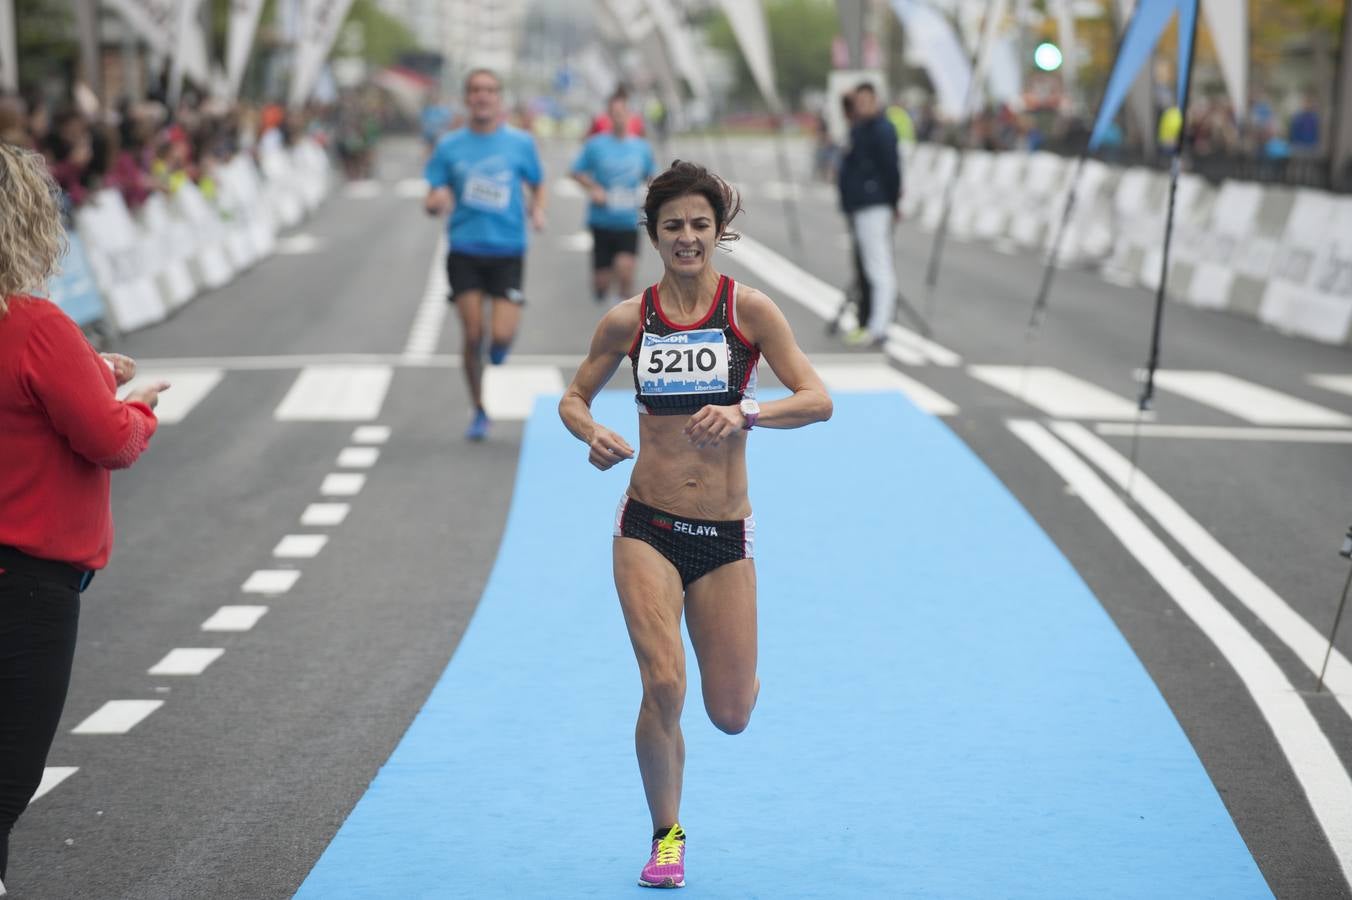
234	618
186	661
324	514
342	484
270	581
189	387
117	717
358	457
300	546
51	777
370	434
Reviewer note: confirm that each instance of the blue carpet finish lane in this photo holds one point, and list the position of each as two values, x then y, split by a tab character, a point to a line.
946	709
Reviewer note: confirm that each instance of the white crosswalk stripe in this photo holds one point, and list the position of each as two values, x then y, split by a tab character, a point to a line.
1055	392
510	391
189	387
335	394
1246	400
878	377
186	661
1341	384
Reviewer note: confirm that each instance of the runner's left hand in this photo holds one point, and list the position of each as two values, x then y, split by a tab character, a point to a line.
709	426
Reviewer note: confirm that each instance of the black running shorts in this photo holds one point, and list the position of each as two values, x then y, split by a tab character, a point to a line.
694	546
607	243
495	276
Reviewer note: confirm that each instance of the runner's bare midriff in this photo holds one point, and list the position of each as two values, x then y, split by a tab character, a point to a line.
673	475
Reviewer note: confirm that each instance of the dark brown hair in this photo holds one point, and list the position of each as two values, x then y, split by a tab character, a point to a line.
685	178
475	73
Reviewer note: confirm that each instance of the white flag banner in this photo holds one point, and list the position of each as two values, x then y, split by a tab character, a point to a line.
748	25
239	41
9	48
319	24
157	22
1070	53
998	63
190	49
1228	23
679	43
936	43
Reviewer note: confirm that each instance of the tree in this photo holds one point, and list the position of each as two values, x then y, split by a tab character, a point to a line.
801	32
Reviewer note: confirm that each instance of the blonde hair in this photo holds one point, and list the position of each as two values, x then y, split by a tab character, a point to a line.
32	239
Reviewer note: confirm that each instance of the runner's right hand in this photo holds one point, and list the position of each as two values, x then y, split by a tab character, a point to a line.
438	201
598	195
149	395
607	448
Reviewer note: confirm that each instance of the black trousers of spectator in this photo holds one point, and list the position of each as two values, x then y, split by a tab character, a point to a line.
38	623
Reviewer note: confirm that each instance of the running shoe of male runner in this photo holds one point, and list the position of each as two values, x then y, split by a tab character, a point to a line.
479	173
613	167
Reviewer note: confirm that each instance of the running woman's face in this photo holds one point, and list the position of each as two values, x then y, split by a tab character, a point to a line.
686	234
483	96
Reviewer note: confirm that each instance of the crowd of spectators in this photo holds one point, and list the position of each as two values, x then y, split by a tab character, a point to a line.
140	148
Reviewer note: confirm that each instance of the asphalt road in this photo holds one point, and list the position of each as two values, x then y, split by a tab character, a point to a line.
237	782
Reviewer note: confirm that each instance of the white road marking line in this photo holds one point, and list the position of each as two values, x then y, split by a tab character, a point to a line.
1317	767
270	581
335	394
880	377
567	187
567	361
1341	384
51	777
324	514
300	546
1056	393
370	434
358	457
903	353
411	187
186	661
189	388
342	484
298	244
1308	644
1246	400
1228	433
234	618
787	278
428	321
577	242
509	393
117	717
363	189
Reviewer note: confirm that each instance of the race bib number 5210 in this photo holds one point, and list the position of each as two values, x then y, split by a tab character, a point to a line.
687	362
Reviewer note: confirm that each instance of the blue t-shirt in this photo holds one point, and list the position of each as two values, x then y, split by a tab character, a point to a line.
485	172
621	166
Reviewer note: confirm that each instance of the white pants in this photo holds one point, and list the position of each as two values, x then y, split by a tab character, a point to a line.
873	232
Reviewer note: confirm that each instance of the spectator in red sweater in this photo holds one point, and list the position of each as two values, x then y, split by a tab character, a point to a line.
62	429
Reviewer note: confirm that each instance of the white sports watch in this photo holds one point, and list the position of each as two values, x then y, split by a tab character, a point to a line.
751	409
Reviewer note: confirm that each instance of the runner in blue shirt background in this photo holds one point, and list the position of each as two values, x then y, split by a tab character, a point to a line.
613	168
479	173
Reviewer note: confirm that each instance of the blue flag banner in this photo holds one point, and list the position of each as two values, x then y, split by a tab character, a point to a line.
74	290
1143	34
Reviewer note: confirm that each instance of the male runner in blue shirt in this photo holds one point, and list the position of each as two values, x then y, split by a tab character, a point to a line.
477	172
613	167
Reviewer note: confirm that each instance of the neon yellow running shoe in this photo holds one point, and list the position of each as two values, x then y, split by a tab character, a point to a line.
666	864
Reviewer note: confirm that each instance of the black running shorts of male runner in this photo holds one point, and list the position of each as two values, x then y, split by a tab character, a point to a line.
495	276
608	243
694	546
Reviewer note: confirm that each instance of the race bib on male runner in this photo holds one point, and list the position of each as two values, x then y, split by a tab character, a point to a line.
487	194
621	199
687	362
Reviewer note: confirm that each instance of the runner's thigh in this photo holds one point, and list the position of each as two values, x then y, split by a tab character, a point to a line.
650	596
720	614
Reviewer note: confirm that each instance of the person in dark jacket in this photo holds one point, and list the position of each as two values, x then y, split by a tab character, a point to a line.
870	192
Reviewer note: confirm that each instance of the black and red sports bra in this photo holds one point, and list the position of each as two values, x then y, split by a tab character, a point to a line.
680	369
